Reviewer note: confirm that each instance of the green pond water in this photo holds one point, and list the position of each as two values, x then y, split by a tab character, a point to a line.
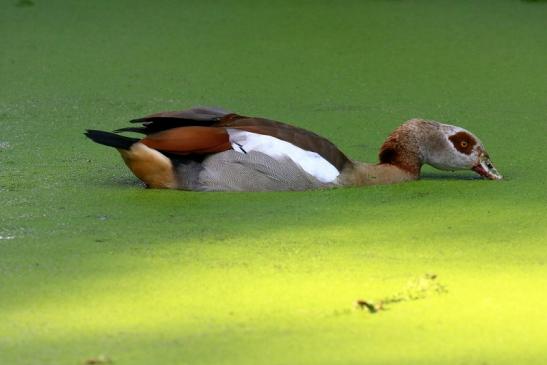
94	268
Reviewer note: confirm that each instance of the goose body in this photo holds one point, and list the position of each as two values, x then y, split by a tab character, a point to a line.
206	149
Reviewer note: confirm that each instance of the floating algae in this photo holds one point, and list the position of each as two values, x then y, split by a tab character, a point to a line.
415	289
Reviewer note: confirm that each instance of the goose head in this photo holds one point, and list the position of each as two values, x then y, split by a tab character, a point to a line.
455	148
443	146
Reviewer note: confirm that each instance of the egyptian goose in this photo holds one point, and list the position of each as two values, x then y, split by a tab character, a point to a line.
206	149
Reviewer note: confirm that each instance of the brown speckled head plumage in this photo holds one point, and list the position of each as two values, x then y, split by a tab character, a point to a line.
443	146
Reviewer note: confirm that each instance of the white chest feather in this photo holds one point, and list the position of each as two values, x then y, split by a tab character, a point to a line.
278	149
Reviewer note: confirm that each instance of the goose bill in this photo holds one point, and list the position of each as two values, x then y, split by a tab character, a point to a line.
486	168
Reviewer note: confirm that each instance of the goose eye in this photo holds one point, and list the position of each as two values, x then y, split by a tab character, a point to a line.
463	144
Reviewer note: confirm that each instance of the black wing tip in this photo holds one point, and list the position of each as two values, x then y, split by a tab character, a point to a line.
199	113
131	129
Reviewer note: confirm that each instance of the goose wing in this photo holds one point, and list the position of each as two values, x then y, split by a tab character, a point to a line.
209	130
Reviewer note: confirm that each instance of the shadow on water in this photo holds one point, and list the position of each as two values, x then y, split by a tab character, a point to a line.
127	181
447	176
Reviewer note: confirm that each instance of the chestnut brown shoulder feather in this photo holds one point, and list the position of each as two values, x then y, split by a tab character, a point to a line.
189	140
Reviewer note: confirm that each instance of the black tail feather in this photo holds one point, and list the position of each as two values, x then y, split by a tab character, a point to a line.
111	139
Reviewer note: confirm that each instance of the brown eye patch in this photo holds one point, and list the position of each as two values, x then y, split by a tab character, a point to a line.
463	142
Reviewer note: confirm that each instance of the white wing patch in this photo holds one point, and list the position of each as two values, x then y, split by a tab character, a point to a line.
311	162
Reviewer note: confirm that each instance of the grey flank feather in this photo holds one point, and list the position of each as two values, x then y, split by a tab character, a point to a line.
254	171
